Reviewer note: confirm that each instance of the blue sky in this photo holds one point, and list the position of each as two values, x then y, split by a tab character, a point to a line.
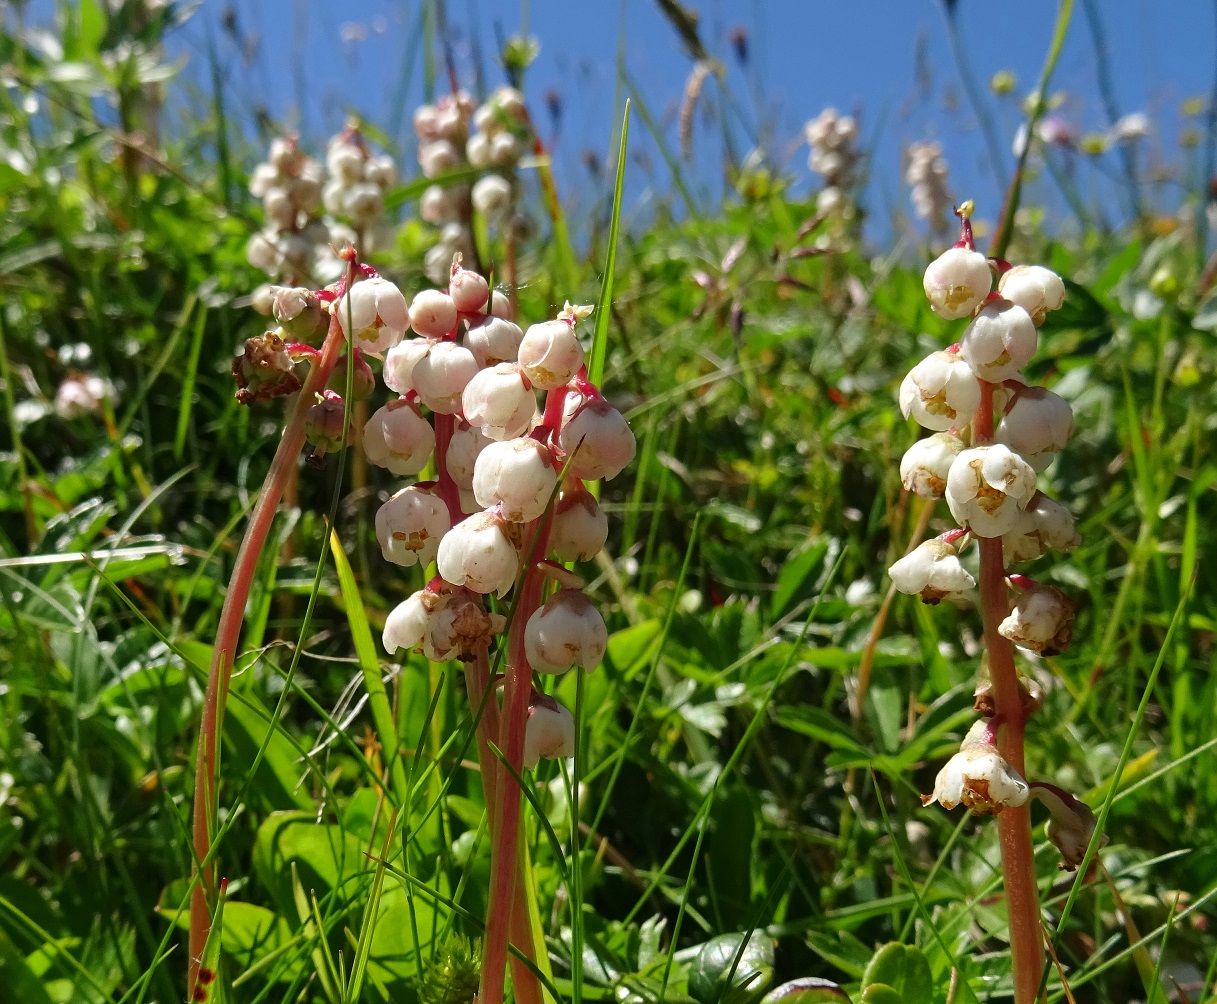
888	60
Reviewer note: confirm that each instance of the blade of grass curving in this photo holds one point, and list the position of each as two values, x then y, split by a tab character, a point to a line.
1005	229
188	381
1125	755
53	946
365	649
754	725
595	366
531	794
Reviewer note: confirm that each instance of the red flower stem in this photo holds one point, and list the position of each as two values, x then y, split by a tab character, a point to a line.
1014	822
232	616
504	854
445	425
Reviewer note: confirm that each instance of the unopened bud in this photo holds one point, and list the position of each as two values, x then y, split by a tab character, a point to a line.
597	439
550	732
579	528
1037	426
432	313
398	438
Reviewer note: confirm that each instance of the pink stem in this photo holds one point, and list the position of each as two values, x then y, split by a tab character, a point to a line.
1014	822
232	616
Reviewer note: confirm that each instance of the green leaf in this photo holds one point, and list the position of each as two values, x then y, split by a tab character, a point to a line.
708	975
903	969
322	854
16	977
821	725
604	306
797	579
881	993
729	854
808	990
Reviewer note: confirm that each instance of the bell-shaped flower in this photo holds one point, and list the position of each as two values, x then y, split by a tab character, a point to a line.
1036	426
441	376
926	464
580	527
479	553
1043	525
398	438
978	777
940	392
499	401
956	282
1000	340
550	732
1042	620
596	437
373	314
493	340
410	526
933	571
518	475
1034	288
987	489
550	354
566	631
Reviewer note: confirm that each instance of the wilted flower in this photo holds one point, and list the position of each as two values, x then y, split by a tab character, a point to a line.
978	777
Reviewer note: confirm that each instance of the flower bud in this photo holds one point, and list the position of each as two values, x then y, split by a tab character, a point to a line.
363	203
978	777
375	310
505	149
566	631
398	371
999	341
398	438
517	475
499	401
550	354
344	160
956	282
925	465
1036	426
410	526
380	171
464	447
468	290
933	571
940	392
987	488
596	437
1034	288
426	123
1071	826
325	423
440	377
1044	524
432	313
264	370
363	381
1042	620
492	197
438	157
550	732
299	313
494	340
477	150
478	553
579	528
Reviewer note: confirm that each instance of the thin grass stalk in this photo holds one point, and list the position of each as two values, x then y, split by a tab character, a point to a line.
232	617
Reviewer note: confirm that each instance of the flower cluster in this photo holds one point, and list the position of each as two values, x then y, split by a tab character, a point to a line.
354	194
294	244
926	176
834	156
442	129
508	501
992	434
498	144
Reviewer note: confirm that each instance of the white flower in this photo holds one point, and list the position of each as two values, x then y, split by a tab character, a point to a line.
380	171
506	149
987	488
410	526
999	341
398	438
432	313
933	571
550	732
468	291
438	157
579	528
408	622
1043	525
940	392
925	464
956	282
493	340
596	437
463	449
499	401
438	204
1037	426
477	150
441	376
550	354
1130	128
1042	620
567	631
1034	288
400	361
344	161
478	553
492	197
377	314
978	777
518	475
